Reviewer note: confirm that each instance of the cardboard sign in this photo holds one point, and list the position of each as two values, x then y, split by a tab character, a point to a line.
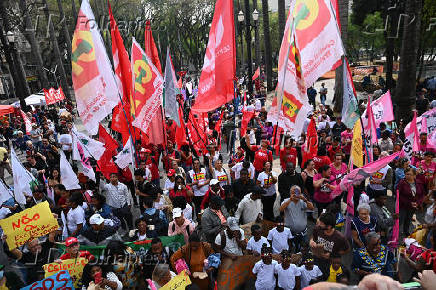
73	266
179	282
59	281
232	274
31	223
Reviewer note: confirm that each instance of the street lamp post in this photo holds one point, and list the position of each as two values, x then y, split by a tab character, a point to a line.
241	34
248	40
256	35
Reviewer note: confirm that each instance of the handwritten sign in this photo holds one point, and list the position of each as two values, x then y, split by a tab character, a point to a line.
59	281
179	282
73	266
31	223
232	274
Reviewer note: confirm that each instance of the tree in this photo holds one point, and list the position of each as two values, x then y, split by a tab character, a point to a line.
267	42
343	17
282	17
405	94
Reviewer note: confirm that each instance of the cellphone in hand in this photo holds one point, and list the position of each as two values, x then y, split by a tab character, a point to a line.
98	278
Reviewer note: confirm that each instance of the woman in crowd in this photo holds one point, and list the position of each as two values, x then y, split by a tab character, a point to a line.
219	173
198	179
308	173
267	180
362	224
101	276
195	253
180	189
324	184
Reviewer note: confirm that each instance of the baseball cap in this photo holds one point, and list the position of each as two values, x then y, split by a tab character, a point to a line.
171	172
71	241
96	219
214	182
177	212
232	223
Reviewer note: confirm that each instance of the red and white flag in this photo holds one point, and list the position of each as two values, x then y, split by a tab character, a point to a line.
53	96
256	74
216	81
94	83
27	122
148	87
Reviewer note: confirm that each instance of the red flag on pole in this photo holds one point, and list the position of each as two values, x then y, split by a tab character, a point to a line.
181	131
256	74
246	118
52	95
310	147
106	164
216	81
150	47
123	74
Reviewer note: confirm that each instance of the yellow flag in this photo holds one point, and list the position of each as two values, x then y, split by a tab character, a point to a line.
356	147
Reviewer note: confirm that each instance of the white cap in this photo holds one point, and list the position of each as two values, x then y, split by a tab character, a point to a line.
177	212
96	219
214	182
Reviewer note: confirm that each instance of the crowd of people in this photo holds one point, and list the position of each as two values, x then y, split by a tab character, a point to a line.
224	203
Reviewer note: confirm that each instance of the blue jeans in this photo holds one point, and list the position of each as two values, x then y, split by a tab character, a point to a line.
323	98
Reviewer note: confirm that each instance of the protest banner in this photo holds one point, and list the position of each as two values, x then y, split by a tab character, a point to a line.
174	243
232	274
179	282
59	281
53	96
73	266
31	223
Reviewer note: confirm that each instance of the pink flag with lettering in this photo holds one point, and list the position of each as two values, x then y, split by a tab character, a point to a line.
382	110
412	139
370	129
357	175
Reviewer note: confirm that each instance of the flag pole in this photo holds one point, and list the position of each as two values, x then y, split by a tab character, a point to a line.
86	147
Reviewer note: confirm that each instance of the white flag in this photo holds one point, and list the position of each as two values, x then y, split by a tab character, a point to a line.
5	193
91	147
93	79
22	179
125	157
68	177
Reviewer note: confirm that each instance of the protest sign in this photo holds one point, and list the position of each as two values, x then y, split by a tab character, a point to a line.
179	282
53	96
232	274
73	266
31	223
59	281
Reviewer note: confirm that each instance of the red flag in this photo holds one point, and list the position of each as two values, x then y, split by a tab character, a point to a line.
246	118
256	74
150	47
123	75
52	95
310	147
106	165
216	81
277	138
181	131
180	83
218	124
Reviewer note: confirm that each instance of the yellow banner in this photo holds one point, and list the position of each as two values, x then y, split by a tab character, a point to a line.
179	282
31	223
356	147
73	266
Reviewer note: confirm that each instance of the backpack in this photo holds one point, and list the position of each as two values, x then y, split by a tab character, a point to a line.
156	222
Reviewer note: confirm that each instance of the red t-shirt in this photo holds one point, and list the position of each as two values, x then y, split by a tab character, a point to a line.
332	152
183	192
288	155
260	157
171	132
151	164
320	161
82	254
429	257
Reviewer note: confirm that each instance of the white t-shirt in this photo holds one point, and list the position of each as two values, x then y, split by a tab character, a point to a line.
258	105
187	212
74	217
256	246
279	241
265	179
286	278
221	176
237	170
168	184
307	275
231	245
265	275
201	178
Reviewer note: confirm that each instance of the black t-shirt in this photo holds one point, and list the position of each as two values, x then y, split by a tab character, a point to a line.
333	244
33	263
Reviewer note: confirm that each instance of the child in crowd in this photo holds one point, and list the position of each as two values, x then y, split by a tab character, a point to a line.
310	273
264	270
255	243
336	268
288	275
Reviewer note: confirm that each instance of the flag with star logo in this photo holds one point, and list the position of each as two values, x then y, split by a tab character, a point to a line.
147	88
91	147
125	156
93	80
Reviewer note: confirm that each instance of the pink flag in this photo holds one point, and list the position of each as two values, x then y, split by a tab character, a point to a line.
393	243
412	138
370	130
359	174
382	110
27	122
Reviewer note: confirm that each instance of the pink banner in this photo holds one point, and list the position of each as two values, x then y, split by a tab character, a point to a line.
393	243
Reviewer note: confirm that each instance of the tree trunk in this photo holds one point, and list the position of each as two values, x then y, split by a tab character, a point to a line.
406	85
16	89
57	53
266	39
339	83
13	58
282	17
65	28
29	33
74	12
